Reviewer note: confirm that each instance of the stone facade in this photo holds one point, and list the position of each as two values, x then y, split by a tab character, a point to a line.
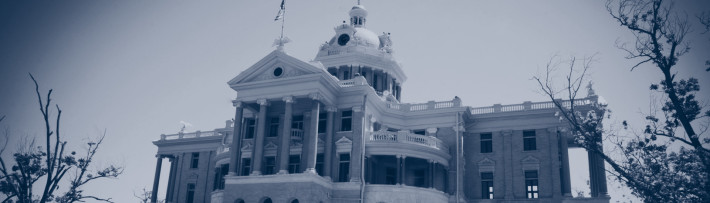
335	130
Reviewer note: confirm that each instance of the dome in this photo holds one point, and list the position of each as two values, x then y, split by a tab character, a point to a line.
358	10
367	37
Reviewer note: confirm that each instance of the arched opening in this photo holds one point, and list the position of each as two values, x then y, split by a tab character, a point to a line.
294	201
266	200
239	201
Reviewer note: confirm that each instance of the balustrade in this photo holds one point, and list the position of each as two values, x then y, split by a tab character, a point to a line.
297	134
407	137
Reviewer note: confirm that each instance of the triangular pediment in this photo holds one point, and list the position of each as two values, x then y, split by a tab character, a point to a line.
270	145
247	146
276	65
344	140
530	160
486	162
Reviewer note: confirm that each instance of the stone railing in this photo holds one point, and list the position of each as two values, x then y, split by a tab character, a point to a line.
530	106
431	105
357	81
182	135
297	134
222	149
407	137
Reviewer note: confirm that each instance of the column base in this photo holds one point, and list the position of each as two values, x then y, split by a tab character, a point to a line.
232	174
311	171
281	172
255	173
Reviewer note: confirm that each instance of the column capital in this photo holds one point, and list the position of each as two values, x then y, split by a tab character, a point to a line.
431	130
357	108
262	102
288	99
238	104
506	132
552	130
331	108
315	96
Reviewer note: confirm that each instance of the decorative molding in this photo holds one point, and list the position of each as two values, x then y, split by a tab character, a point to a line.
315	96
331	108
530	163
344	140
270	146
506	132
357	108
431	130
288	99
262	102
247	146
486	165
237	104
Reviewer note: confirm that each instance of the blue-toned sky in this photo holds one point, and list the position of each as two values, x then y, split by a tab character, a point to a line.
138	68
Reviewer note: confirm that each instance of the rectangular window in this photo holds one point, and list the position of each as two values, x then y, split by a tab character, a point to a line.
486	143
529	140
346	75
391	176
419	177
297	122
246	166
294	163
346	118
420	132
322	122
531	184
190	193
269	165
487	185
344	168
274	127
195	161
319	164
251	129
224	169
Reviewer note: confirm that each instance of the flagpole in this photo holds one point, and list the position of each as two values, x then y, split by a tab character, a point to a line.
283	21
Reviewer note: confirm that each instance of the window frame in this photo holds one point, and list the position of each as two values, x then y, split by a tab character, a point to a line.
487	185
190	194
246	166
322	122
344	167
532	187
274	127
269	165
486	143
195	160
250	130
294	163
529	140
346	119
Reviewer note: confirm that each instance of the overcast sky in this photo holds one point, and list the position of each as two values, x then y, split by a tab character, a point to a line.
138	68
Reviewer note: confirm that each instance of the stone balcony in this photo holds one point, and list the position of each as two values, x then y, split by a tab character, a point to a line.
526	106
405	137
407	144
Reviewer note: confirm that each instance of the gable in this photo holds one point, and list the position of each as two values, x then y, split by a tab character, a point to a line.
276	65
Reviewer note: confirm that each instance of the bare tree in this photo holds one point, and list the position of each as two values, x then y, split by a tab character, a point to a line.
51	163
668	160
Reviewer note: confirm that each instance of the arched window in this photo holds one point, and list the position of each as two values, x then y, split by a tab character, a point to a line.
266	200
239	201
294	201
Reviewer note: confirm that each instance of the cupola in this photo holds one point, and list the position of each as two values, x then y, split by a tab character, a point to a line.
358	16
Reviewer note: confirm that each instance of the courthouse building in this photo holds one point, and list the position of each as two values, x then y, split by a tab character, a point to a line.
335	130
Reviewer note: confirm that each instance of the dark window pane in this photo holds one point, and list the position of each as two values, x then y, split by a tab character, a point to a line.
195	161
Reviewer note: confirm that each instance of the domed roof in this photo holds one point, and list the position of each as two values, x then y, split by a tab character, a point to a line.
367	37
358	10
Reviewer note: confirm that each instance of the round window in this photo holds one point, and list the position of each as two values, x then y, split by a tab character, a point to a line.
343	39
278	71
